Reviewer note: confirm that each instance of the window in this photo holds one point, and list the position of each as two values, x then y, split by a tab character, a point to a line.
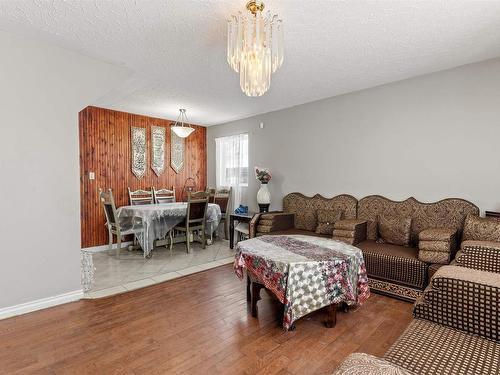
232	160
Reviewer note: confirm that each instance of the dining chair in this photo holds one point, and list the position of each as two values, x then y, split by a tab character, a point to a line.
163	195
140	197
197	194
211	195
116	226
196	213
222	197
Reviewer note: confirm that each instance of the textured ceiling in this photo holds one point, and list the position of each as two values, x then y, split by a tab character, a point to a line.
176	49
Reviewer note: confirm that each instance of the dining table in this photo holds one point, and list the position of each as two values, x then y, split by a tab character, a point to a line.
159	219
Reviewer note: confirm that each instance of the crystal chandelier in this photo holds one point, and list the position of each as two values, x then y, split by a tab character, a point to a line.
181	127
255	47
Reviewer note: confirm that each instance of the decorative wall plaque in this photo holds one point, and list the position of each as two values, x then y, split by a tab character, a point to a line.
158	149
139	154
176	152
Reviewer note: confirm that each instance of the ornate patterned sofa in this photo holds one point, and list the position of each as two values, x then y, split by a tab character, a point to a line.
434	233
435	230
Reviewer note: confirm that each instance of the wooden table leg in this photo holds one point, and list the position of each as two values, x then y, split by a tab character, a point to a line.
344	307
256	287
331	319
231	232
249	290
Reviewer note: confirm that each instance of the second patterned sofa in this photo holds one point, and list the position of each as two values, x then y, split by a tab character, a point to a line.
456	330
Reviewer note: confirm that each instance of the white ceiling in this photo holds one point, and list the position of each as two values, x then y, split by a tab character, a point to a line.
176	48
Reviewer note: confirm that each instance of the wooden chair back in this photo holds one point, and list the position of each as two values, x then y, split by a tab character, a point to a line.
197	195
211	195
196	209
164	195
108	204
222	197
140	197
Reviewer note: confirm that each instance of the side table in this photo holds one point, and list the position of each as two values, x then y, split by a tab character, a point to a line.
241	218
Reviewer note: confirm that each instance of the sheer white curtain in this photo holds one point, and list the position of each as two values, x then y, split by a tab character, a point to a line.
231	162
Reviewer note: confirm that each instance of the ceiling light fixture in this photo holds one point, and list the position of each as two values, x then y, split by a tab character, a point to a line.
181	126
255	47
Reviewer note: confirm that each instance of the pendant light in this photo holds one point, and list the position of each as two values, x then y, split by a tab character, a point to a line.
181	127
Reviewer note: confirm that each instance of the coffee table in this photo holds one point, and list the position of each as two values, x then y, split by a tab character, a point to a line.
305	273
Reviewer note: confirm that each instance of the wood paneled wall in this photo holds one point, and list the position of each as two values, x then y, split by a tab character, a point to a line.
105	149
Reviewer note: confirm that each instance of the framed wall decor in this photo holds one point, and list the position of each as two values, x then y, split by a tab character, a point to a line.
139	154
158	149
177	146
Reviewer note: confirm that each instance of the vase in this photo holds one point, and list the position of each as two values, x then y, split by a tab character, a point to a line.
263	197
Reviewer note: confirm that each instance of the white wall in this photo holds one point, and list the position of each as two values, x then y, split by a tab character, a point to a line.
42	89
431	137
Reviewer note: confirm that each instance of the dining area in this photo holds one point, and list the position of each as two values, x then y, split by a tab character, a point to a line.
155	218
148	210
157	237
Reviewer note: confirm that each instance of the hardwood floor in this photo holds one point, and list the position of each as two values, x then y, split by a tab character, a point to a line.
197	324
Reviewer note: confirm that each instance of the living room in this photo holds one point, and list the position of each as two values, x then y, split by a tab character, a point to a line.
349	217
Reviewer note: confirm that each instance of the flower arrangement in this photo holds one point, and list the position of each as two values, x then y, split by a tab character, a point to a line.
263	175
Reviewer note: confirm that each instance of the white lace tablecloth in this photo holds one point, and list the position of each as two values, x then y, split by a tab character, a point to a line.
159	219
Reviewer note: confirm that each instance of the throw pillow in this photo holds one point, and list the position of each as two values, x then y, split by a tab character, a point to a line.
394	230
306	219
481	229
326	220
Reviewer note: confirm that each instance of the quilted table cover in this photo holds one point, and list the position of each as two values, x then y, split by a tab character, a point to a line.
305	273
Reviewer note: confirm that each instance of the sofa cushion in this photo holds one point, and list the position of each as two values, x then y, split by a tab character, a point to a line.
306	220
394	263
439	257
481	229
344	233
484	244
362	364
349	224
481	255
440	246
437	234
267	222
326	220
430	348
264	228
394	230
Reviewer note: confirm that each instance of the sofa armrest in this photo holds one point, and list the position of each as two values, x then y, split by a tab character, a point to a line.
362	364
464	299
479	255
252	226
265	223
351	231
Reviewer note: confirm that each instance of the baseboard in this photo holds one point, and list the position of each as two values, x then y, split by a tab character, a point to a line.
101	248
23	308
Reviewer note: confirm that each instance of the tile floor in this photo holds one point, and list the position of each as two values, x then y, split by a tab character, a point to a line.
129	271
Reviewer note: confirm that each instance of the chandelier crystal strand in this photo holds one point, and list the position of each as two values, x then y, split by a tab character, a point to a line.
255	48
